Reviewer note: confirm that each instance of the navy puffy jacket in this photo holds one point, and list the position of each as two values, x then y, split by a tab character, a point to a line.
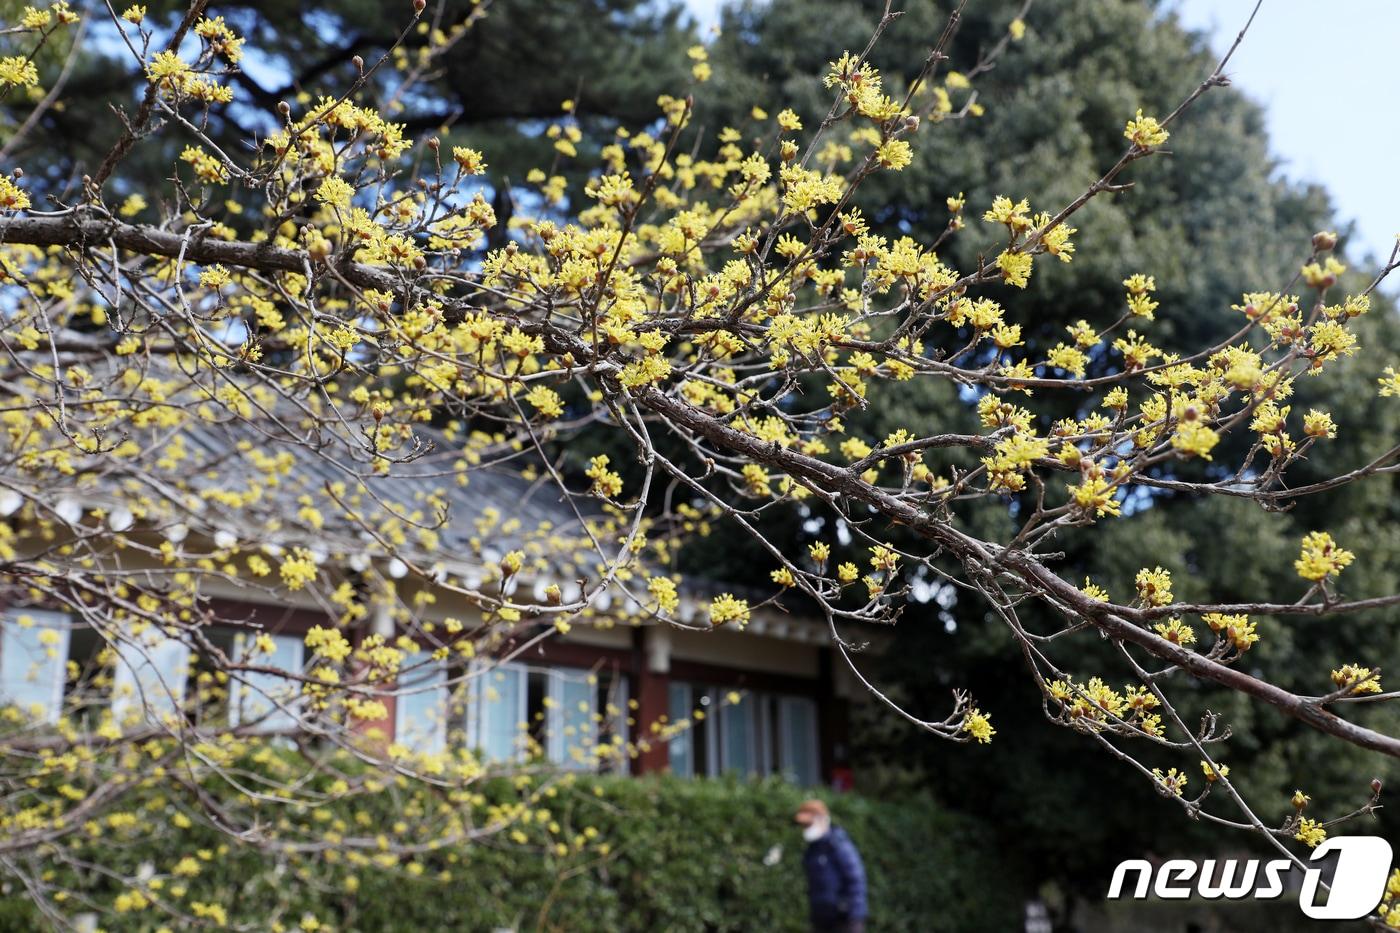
835	878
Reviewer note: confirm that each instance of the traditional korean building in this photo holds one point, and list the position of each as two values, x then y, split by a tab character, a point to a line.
767	699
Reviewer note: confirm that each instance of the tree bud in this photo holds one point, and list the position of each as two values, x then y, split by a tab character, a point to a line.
1324	241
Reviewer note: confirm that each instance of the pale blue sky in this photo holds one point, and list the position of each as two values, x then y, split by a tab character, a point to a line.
1313	66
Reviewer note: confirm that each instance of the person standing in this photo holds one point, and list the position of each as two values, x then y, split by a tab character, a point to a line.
835	873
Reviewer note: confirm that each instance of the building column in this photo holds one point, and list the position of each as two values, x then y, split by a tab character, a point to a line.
651	674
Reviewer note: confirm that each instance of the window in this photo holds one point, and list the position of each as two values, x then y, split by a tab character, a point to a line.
265	700
420	708
586	710
680	705
736	727
33	661
761	734
572	734
692	749
497	714
50	665
797	749
148	685
565	714
614	702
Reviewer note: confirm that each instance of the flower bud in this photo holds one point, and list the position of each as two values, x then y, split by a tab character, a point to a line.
1376	786
419	5
358	62
284	108
1324	241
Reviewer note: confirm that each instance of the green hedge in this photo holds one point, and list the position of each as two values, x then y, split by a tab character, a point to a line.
683	856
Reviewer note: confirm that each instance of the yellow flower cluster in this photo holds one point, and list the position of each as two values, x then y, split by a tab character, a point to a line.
329	643
1095	705
978	725
1235	628
1145	132
725	608
1356	679
298	569
1154	587
1321	558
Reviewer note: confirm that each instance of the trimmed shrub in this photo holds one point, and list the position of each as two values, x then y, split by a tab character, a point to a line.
662	854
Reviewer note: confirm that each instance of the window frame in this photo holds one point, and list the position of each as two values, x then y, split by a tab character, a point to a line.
240	690
554	745
477	723
169	687
768	754
435	683
44	620
557	743
787	734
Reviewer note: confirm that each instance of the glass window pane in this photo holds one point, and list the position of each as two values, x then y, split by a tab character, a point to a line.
501	710
149	683
682	743
799	740
266	700
33	659
420	708
612	728
736	736
572	734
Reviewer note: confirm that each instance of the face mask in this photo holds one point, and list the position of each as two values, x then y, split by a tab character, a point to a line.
814	831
